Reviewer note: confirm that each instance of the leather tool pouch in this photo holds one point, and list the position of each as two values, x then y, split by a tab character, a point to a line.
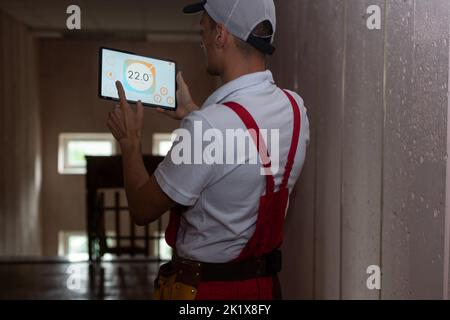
177	281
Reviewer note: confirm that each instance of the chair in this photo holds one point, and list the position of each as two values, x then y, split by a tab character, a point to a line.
104	177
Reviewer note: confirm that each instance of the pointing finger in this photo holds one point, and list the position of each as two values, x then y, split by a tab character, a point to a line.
121	92
140	110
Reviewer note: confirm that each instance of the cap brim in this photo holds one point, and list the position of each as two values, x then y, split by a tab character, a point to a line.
194	8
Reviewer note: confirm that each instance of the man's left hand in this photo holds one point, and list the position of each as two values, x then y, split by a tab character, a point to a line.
125	123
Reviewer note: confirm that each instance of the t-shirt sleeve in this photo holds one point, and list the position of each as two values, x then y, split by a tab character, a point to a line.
183	174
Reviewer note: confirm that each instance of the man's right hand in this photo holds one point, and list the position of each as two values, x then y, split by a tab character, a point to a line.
185	104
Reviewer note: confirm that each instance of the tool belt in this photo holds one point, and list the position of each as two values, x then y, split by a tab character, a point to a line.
179	278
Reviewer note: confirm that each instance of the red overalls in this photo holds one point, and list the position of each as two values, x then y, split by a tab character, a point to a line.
268	234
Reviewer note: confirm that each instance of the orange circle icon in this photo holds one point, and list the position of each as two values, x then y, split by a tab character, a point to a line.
170	100
157	98
164	91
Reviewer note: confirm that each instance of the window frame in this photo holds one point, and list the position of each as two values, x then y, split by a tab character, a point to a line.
63	142
157	138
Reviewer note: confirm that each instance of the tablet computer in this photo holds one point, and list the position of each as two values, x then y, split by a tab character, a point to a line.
150	80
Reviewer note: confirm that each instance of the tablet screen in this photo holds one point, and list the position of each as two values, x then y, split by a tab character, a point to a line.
147	79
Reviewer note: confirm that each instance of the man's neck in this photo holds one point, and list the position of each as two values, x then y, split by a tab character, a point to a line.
238	68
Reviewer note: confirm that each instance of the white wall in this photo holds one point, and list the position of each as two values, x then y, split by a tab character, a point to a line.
20	154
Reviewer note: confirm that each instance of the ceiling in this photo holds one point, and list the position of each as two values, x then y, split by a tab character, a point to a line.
105	16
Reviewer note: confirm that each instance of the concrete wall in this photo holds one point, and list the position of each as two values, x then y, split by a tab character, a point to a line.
69	103
373	191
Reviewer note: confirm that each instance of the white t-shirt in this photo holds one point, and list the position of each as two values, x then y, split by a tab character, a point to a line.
223	199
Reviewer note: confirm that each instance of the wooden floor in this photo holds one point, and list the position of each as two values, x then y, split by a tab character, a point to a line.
62	280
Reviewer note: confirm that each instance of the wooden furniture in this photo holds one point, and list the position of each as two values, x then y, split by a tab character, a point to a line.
104	175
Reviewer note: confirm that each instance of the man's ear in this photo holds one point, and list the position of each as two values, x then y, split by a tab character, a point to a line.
221	35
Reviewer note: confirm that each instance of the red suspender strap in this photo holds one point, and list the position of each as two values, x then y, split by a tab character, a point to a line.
295	138
250	123
262	149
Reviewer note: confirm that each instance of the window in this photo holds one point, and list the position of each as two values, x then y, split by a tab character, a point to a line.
165	252
73	147
162	142
73	245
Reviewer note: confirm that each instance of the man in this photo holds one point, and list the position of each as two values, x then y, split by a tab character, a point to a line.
227	217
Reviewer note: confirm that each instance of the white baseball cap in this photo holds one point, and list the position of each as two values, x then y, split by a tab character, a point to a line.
241	17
